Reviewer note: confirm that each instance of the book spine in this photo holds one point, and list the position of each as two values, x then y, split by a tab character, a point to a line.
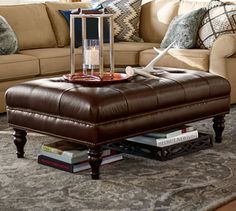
55	163
61	157
47	161
178	139
105	160
51	149
143	140
170	133
71	160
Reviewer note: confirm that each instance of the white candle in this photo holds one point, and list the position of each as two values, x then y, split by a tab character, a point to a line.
91	56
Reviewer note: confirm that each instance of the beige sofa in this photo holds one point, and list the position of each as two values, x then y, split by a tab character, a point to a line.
44	44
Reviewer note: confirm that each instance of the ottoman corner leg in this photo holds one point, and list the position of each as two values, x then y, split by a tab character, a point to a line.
218	127
95	160
20	140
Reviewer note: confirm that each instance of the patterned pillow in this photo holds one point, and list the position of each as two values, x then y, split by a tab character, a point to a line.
91	28
183	29
8	39
126	18
220	19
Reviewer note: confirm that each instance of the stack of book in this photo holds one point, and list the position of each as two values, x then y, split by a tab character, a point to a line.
71	156
168	137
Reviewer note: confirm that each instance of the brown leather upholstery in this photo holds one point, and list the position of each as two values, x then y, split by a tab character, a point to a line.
96	115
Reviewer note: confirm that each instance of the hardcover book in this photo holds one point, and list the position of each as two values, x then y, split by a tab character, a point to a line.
171	133
163	142
77	157
64	147
73	168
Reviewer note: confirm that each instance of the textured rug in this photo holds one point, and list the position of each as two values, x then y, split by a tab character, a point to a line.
198	181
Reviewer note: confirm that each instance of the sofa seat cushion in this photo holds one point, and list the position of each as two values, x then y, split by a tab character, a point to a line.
54	60
17	66
31	24
127	53
57	60
194	59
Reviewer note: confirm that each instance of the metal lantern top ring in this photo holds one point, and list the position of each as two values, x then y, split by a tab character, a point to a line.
100	18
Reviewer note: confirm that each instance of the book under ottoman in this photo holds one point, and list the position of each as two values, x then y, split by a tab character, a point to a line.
98	115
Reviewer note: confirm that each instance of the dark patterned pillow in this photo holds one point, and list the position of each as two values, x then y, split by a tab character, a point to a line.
8	39
183	30
126	18
220	19
91	27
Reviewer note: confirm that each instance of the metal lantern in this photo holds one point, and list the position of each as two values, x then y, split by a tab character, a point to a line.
92	49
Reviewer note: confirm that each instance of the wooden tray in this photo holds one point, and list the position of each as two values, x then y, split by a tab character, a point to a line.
80	78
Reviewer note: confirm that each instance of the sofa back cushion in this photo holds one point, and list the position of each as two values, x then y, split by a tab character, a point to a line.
59	24
31	25
189	5
156	16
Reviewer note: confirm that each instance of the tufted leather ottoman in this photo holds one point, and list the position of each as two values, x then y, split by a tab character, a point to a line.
97	115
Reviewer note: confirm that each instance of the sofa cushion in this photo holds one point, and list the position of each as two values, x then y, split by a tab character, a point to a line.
155	19
57	60
59	24
127	53
31	24
189	5
54	60
17	66
194	59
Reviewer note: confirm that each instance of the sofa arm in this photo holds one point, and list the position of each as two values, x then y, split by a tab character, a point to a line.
223	47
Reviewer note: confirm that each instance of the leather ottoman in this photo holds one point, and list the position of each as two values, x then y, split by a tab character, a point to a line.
97	115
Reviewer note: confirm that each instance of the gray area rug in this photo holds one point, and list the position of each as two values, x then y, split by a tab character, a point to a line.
199	181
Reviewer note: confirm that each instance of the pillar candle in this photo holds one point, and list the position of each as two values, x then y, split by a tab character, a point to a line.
91	56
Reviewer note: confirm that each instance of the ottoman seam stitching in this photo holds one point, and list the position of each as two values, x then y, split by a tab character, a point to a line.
110	140
115	120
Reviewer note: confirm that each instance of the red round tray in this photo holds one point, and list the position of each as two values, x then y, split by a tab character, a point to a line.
95	79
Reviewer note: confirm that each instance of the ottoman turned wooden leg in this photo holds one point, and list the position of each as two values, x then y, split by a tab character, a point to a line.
20	140
95	160
218	127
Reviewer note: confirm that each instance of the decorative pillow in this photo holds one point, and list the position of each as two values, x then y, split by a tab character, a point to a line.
220	19
184	30
126	18
98	2
8	39
91	26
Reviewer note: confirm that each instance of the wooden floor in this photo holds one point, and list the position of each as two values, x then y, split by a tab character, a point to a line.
228	207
